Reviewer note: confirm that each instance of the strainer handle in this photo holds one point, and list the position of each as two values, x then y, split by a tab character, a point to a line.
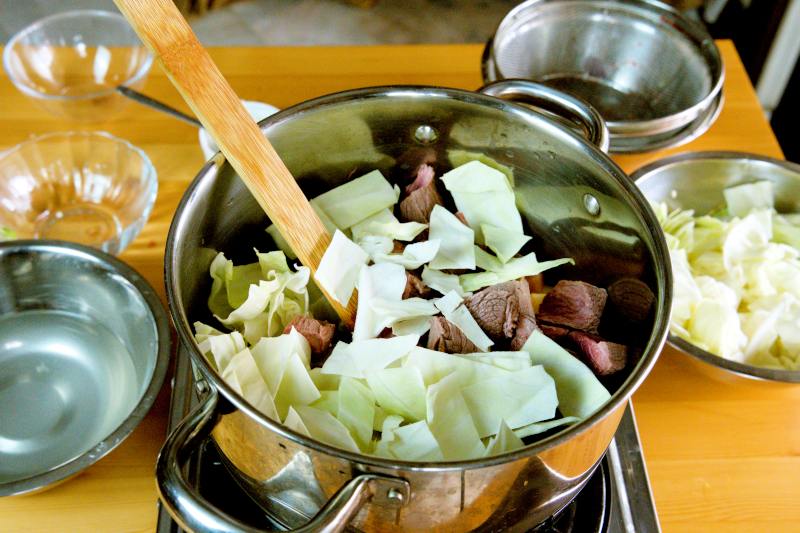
556	102
193	513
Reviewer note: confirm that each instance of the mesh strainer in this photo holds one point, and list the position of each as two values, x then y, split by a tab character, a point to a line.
649	71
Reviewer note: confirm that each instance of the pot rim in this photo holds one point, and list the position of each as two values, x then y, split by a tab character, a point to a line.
661	269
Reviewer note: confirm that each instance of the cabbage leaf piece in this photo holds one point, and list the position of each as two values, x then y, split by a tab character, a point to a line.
272	353
505	440
359	358
484	196
352	202
324	427
541	427
219	349
434	366
520	267
503	242
328	401
442	282
412	326
452	308
451	422
461	157
413	442
295	387
510	361
414	255
457	241
385	281
520	398
375	245
399	391
746	197
339	267
242	375
385	224
580	393
356	410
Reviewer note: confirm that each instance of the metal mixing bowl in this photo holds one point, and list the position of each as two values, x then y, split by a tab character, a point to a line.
84	347
696	181
654	75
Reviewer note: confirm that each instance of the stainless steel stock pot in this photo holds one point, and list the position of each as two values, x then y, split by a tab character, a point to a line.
576	202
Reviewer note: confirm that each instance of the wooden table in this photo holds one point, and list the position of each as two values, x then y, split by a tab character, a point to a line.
721	457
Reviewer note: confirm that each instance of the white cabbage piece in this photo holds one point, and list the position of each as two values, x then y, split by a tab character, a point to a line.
519	267
352	202
412	326
339	267
457	241
295	387
243	376
580	393
442	282
393	311
503	242
412	442
414	255
375	245
389	424
541	427
484	195
399	391
462	157
328	401
520	398
715	327
324	427
324	382
741	199
385	224
295	423
450	421
511	361
434	366
359	358
786	230
453	309
746	238
380	281
219	349
204	331
272	353
356	410
504	441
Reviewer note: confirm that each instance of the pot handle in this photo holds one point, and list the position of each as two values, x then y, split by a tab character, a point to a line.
193	513
556	102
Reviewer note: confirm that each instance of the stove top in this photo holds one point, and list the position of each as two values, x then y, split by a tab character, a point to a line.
616	499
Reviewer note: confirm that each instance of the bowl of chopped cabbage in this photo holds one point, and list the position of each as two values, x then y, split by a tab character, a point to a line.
511	297
732	223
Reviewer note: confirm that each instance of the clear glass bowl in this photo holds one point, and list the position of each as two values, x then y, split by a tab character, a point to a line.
85	187
71	63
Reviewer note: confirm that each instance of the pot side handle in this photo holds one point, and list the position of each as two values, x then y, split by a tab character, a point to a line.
558	103
195	514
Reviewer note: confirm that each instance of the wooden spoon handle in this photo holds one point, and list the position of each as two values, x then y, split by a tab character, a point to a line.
164	30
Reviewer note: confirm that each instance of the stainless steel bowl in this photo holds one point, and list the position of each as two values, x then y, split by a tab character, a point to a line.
574	199
696	181
84	347
654	75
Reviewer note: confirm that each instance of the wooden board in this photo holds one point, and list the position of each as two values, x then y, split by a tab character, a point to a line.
722	457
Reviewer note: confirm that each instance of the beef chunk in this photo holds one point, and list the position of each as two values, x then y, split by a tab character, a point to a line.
445	337
631	298
414	287
527	322
556	333
504	311
318	333
574	304
422	197
603	357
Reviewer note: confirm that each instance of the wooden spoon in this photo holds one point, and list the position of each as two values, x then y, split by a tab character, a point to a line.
167	34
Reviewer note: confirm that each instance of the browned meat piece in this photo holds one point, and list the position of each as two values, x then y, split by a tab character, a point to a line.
318	333
496	310
527	322
422	197
574	304
631	298
504	312
535	283
445	337
423	178
556	333
415	287
460	216
398	247
386	333
603	357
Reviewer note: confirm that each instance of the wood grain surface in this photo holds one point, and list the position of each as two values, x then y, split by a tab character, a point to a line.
722	456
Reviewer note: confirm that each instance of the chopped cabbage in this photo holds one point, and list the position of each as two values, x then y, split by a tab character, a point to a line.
451	422
339	267
385	224
457	241
441	281
380	281
741	199
503	242
399	390
356	200
452	308
242	375
359	358
520	267
504	440
414	255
